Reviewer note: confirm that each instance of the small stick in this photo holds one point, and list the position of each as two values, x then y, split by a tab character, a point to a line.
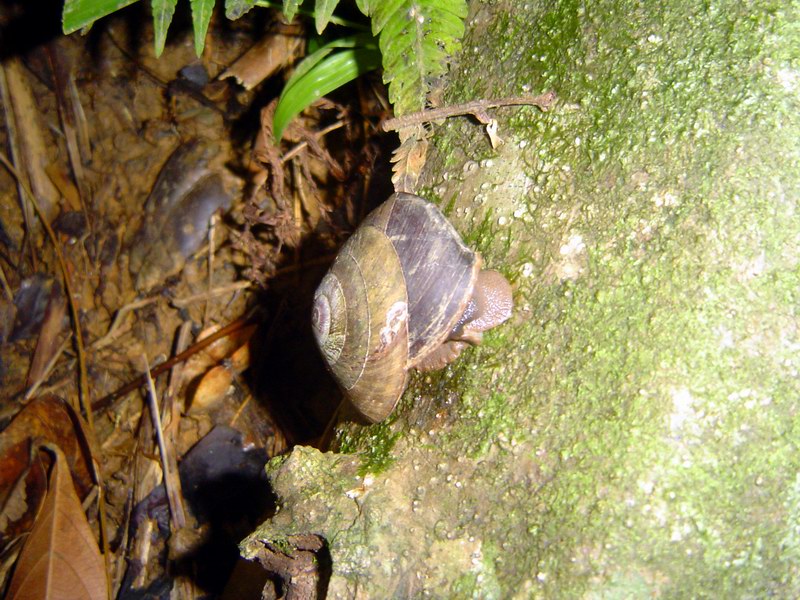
243	285
172	418
161	368
118	318
4	282
178	518
477	108
83	377
318	136
212	225
204	296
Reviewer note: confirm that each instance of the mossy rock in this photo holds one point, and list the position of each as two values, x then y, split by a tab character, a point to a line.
634	430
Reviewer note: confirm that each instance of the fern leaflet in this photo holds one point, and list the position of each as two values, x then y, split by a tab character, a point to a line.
416	39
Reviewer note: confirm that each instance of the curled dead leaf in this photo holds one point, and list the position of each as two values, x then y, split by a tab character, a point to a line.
407	162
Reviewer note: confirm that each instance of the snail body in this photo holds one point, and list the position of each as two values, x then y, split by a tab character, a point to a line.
404	292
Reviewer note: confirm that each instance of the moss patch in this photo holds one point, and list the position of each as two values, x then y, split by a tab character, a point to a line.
633	431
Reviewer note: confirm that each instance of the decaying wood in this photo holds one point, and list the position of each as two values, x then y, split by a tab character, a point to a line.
270	54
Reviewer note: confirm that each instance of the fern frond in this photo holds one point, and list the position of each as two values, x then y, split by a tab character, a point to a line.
236	8
290	8
416	39
323	11
162	17
201	17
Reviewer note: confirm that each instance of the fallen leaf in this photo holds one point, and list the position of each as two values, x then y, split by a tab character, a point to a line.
30	135
211	390
213	386
187	191
227	347
49	334
22	480
60	559
407	162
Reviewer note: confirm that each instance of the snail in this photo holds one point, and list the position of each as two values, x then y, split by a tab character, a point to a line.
404	292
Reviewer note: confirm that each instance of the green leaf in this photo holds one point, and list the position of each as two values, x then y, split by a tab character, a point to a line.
417	38
162	17
82	13
290	8
236	8
309	62
327	73
363	6
201	17
323	10
383	10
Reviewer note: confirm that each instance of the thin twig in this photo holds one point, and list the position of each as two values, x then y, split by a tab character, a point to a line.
158	369
317	136
13	146
476	108
117	322
4	283
83	389
168	476
204	296
243	285
47	369
212	225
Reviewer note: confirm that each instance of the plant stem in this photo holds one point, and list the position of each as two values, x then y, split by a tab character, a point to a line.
477	108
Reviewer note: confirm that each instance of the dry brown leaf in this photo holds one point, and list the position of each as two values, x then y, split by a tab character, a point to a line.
240	359
229	345
60	559
211	390
22	480
224	348
31	140
64	185
187	191
408	160
213	386
48	342
73	119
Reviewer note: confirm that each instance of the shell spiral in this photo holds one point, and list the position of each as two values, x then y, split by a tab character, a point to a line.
394	292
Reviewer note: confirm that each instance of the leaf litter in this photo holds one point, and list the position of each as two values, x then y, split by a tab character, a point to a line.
175	216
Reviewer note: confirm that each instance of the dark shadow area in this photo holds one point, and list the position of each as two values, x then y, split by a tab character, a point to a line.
25	26
287	372
226	489
324	569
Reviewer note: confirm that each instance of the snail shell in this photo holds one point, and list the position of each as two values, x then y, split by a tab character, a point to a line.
395	298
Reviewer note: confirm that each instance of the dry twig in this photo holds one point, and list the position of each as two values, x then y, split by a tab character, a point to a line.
476	108
175	507
159	369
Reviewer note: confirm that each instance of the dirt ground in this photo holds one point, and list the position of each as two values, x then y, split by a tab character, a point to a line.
172	214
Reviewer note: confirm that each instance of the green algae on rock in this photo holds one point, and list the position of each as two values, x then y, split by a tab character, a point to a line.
634	430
